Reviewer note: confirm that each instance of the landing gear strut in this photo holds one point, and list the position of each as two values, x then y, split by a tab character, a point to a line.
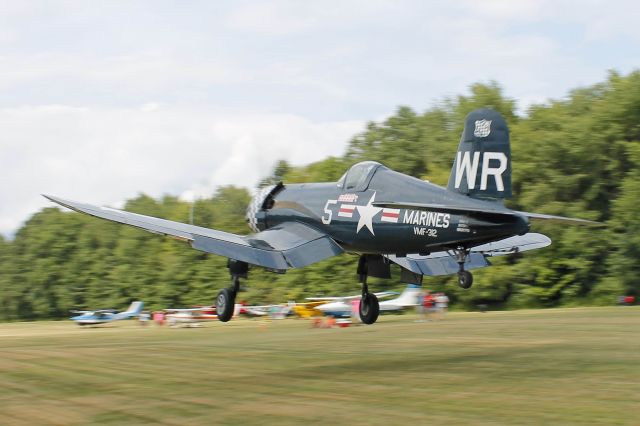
465	279
226	299
369	306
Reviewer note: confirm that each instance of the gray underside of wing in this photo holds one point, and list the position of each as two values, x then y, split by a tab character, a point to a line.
289	245
437	265
443	263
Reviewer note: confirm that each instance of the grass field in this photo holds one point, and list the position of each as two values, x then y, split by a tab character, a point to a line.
563	366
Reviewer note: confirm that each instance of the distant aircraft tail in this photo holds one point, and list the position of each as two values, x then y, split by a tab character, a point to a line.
134	309
409	296
482	167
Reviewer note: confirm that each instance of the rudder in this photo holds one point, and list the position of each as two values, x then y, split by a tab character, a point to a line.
482	167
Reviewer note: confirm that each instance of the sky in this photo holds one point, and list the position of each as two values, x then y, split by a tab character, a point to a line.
103	100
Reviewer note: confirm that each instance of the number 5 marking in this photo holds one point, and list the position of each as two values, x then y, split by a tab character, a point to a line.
327	220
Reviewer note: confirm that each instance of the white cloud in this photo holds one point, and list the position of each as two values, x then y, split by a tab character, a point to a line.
157	97
104	156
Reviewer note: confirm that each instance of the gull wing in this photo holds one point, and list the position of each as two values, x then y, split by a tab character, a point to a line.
442	263
288	245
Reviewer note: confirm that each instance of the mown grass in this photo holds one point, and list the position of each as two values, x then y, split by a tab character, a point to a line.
573	366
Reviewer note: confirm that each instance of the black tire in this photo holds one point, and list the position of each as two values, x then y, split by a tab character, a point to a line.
369	308
465	279
225	302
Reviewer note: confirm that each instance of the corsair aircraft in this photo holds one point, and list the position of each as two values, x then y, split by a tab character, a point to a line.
383	216
104	316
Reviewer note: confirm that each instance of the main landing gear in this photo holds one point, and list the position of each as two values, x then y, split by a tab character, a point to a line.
226	299
465	279
369	307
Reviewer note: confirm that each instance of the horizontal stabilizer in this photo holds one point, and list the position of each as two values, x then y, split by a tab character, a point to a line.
516	244
559	219
379	295
440	263
443	263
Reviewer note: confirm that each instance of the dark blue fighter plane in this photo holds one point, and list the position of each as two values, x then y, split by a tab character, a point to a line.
382	215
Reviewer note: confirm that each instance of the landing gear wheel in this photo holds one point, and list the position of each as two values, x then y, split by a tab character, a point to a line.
369	308
465	279
225	303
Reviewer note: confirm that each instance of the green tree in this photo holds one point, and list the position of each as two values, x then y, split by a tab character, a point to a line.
578	156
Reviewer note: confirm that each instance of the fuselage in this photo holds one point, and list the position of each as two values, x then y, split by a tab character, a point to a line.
94	318
348	214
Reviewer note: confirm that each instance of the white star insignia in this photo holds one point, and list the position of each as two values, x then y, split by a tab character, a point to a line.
366	215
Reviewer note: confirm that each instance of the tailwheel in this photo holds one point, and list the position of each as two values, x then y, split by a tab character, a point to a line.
465	279
225	303
369	308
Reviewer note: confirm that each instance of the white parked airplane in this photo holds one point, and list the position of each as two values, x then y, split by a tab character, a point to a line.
342	306
190	317
409	297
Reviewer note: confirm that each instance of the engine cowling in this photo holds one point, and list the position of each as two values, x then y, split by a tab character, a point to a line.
260	203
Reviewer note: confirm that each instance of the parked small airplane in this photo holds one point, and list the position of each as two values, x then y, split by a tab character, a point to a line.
408	298
103	316
382	215
279	311
342	306
308	309
190	317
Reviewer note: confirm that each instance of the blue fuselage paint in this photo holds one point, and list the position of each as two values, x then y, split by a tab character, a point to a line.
353	220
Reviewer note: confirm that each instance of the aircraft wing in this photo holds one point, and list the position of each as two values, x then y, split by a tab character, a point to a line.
288	245
317	301
442	263
379	295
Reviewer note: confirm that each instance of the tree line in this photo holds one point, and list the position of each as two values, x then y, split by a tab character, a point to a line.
578	156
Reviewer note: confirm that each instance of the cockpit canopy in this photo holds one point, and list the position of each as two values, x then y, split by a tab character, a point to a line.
357	178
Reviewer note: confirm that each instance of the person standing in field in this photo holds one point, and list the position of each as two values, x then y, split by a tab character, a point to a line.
427	305
419	307
442	304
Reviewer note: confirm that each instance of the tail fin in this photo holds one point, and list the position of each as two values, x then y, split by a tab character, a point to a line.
482	167
409	296
134	309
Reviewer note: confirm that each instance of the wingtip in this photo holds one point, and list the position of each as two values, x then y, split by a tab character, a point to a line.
50	198
60	201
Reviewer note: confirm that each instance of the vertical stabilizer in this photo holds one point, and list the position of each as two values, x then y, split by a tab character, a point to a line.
134	309
482	167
